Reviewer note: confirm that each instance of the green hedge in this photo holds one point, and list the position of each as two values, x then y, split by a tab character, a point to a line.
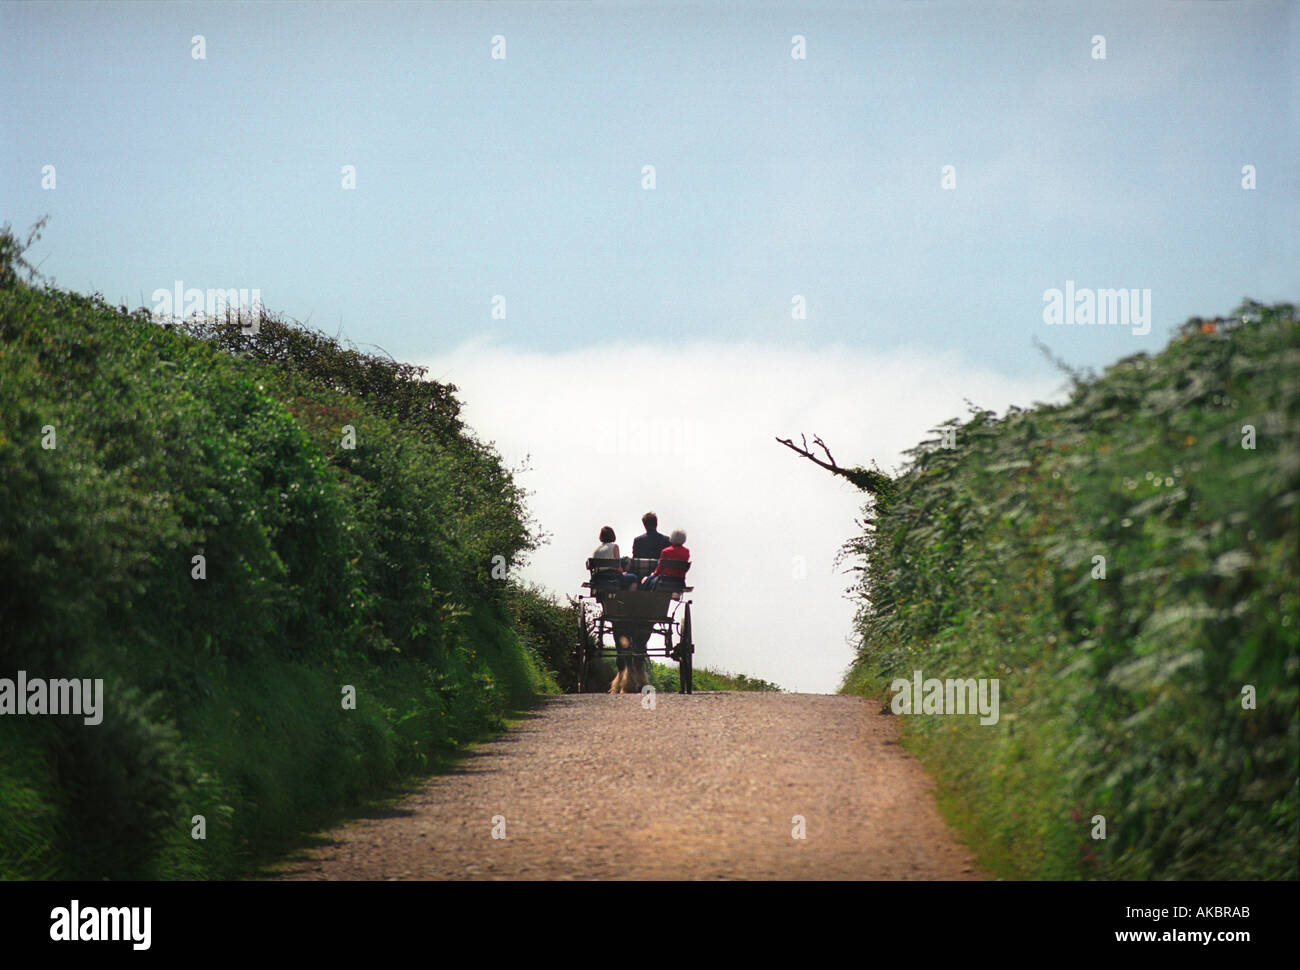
1121	696
325	567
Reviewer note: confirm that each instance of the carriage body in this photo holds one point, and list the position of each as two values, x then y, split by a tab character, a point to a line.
635	615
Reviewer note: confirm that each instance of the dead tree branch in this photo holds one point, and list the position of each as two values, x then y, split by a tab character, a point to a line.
869	480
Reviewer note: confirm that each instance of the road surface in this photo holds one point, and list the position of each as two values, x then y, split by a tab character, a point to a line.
706	786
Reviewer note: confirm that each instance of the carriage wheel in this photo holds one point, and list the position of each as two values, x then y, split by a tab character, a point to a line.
686	647
582	646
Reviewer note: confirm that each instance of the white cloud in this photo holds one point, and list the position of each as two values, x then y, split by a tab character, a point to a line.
688	431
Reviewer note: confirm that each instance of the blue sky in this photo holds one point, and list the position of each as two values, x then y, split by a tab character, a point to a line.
775	177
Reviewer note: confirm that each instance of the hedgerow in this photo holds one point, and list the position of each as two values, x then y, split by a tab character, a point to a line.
127	451
1155	687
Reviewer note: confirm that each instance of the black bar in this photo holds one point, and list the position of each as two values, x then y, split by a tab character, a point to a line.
915	921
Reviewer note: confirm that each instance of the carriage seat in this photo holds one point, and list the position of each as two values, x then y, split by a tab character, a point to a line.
606	574
644	567
641	567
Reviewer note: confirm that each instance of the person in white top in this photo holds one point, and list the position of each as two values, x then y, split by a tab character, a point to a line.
608	548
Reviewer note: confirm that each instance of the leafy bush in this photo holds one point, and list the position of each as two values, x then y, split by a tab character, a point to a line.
123	783
1120	696
668	680
29	847
550	629
323	567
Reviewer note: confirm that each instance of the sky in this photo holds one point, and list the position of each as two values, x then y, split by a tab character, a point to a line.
856	212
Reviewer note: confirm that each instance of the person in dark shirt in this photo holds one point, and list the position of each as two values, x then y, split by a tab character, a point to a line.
650	545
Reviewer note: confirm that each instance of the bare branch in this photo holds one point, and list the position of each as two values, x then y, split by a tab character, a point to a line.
817	439
868	479
832	467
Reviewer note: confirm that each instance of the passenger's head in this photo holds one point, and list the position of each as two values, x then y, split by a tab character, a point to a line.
606	534
650	521
678	537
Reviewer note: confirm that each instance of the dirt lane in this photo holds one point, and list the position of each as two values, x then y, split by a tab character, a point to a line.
701	787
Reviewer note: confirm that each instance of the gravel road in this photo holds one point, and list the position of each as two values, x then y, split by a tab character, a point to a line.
704	786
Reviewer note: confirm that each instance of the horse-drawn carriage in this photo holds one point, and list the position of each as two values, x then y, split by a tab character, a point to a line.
630	617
